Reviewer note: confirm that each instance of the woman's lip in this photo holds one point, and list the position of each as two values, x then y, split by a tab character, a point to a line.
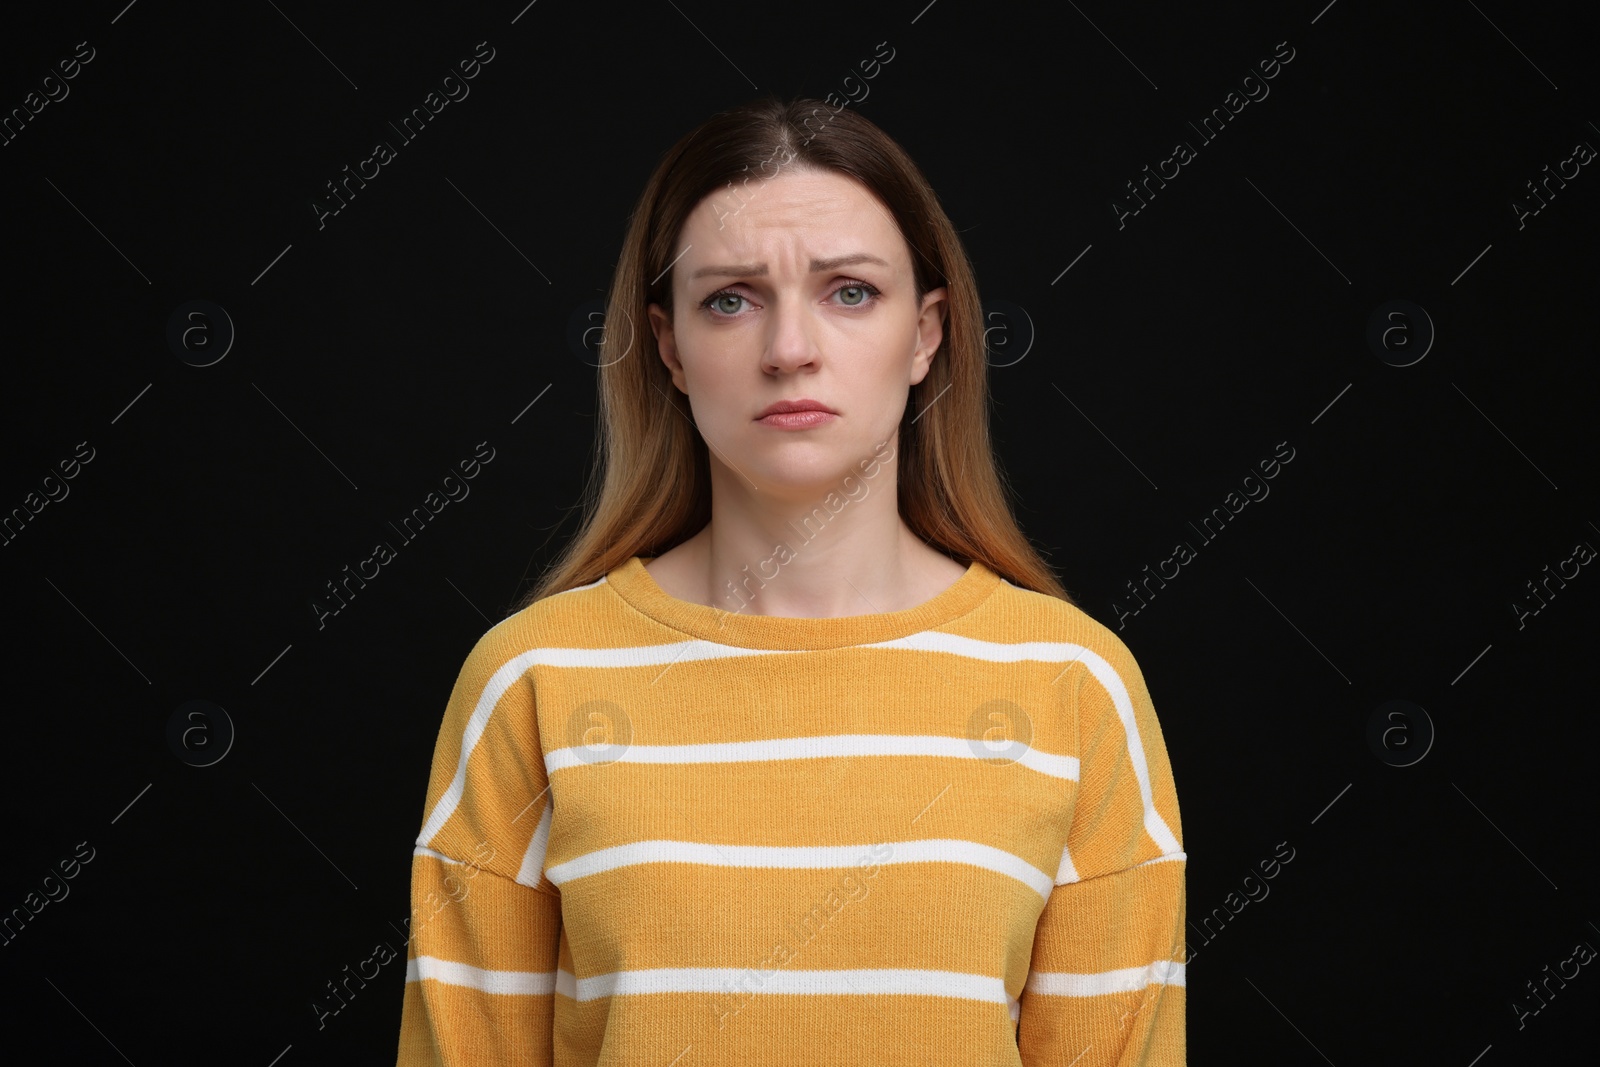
810	405
797	420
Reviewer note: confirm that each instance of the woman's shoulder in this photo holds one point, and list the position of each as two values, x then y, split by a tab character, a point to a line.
1029	613
567	619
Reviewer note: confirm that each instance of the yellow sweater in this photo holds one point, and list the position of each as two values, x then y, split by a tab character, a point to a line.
659	833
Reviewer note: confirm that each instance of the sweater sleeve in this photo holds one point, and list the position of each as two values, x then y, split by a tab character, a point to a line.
1106	980
485	922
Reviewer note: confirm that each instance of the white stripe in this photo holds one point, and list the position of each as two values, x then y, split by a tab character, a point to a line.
787	748
1163	859
806	857
699	648
1067	872
1108	678
503	679
1127	980
652	655
924	641
421	851
725	980
526	983
734	981
1043	762
533	859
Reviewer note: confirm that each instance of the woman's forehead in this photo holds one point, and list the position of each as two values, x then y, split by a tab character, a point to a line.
796	218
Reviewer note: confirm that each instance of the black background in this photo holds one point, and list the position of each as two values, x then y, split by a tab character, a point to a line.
1133	392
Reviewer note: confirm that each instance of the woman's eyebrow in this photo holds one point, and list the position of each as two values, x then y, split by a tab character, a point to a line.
817	265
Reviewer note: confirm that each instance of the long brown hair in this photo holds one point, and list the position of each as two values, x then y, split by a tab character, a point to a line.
650	486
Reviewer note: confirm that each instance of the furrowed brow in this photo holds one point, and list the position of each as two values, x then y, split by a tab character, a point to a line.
755	270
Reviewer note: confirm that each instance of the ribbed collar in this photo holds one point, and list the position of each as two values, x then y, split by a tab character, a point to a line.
743	629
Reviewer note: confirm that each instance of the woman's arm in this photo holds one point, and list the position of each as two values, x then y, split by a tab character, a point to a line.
1106	982
485	922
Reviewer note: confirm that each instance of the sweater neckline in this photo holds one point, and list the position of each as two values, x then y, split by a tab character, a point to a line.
781	632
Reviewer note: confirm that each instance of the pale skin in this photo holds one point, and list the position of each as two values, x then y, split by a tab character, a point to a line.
786	331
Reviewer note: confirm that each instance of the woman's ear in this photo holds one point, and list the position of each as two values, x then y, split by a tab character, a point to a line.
666	344
930	328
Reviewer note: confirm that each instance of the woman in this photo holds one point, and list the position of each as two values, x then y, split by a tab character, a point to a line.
799	753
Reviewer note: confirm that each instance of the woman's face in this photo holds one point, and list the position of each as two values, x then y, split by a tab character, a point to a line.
799	288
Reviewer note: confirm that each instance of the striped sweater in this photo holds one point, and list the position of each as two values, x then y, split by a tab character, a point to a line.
660	833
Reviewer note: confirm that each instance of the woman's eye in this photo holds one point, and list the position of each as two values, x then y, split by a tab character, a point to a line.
727	303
